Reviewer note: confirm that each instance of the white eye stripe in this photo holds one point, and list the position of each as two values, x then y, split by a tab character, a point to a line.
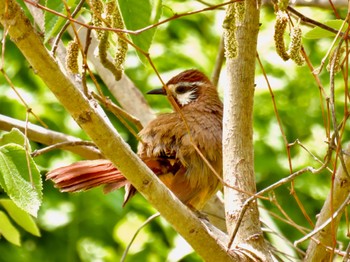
184	84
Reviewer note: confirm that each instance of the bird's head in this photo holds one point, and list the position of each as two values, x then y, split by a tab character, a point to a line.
187	87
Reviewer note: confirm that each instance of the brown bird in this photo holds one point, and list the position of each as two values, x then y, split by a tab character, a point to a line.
168	147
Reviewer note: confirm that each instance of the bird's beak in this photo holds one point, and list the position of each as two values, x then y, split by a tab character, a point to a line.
158	91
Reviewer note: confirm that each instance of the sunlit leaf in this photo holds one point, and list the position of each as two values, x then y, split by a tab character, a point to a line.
53	22
14	136
318	32
21	217
15	178
8	231
140	14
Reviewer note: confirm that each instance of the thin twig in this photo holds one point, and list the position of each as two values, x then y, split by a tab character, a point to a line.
267	189
326	223
311	21
292	224
27	149
334	9
204	3
286	240
85	66
339	34
62	145
125	253
7	78
286	144
120	113
337	138
63	29
2	70
132	32
280	208
220	58
3	42
297	141
347	254
332	103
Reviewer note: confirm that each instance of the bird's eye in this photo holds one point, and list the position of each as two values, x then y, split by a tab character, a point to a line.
181	89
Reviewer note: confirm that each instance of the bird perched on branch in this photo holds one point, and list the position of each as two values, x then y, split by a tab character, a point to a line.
182	148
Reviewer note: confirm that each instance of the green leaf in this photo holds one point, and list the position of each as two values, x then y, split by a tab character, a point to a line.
15	178
137	15
52	21
14	136
21	217
9	232
318	32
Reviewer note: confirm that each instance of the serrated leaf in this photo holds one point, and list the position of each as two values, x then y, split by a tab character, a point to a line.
15	180
318	32
14	136
21	217
140	14
9	232
52	21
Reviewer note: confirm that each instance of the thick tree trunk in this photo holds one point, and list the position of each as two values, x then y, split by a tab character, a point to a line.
238	128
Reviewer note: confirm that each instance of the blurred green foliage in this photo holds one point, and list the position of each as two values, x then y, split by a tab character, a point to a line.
91	226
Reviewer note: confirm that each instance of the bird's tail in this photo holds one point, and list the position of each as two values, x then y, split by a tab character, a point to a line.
84	175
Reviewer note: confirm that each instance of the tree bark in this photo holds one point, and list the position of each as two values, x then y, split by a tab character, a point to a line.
317	250
238	154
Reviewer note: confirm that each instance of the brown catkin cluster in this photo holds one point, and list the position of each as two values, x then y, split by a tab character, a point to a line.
120	55
107	14
239	10
109	10
280	28
295	46
103	54
114	16
104	44
229	25
72	57
97	10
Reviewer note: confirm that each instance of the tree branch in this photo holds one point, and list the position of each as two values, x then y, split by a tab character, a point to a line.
49	137
124	90
315	3
317	250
